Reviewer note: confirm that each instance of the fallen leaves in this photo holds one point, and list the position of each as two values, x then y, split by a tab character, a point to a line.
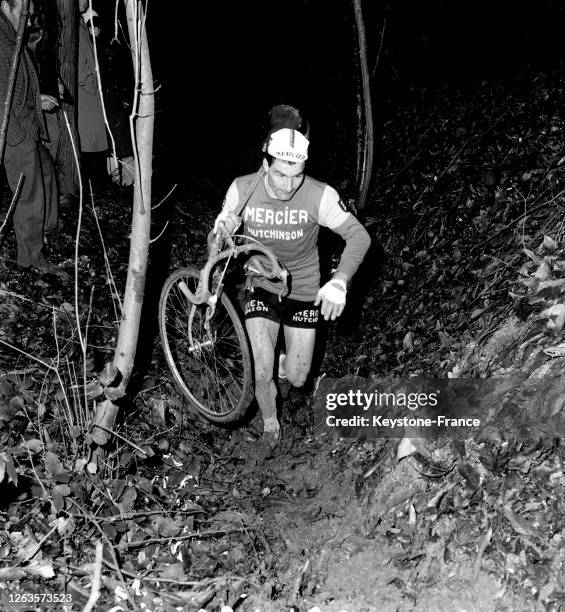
43	570
165	526
521	525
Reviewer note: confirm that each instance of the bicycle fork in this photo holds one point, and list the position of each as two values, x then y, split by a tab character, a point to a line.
198	345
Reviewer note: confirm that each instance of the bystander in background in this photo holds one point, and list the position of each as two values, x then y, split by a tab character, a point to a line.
22	154
42	44
94	142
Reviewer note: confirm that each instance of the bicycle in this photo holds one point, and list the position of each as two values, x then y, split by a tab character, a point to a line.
203	335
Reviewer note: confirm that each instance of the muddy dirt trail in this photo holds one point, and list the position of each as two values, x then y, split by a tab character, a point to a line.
316	540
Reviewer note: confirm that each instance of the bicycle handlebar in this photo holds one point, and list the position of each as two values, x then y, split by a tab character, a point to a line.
274	268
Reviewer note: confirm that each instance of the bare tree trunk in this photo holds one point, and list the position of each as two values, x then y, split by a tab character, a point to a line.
141	122
143	118
67	55
365	152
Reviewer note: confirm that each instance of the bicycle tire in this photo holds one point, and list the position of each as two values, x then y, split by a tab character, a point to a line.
212	368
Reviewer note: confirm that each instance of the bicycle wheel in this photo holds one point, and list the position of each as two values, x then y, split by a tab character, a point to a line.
211	363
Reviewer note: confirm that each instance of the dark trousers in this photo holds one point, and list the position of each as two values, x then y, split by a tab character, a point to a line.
51	188
29	215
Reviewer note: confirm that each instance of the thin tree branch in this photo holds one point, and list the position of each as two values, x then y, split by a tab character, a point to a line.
95	588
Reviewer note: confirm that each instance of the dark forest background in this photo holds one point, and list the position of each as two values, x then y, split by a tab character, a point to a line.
220	66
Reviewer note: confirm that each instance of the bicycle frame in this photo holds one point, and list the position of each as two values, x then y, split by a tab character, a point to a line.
203	295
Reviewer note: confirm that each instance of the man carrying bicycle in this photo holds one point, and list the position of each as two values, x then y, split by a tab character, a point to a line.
284	211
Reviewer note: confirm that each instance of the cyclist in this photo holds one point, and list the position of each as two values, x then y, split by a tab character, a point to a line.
284	212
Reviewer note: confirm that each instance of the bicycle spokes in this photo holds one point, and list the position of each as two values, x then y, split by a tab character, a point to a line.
206	349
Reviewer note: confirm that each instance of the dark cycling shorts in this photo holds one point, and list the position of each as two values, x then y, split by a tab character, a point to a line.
289	312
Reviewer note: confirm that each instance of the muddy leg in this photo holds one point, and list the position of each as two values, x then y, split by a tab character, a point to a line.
263	338
299	350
